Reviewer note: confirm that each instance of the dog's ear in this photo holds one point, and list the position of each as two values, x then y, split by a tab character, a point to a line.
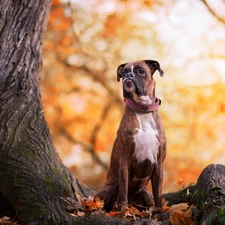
153	66
119	71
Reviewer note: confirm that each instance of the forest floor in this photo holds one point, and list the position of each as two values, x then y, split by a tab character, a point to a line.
179	214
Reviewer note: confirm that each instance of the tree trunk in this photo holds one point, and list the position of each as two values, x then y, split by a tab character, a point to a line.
33	181
208	194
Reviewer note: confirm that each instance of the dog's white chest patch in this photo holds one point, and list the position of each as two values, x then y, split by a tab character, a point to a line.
146	142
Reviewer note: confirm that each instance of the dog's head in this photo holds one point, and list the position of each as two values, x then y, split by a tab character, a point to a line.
138	82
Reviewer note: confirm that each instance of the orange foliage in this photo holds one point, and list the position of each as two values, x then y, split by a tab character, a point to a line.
55	2
148	3
114	24
79	80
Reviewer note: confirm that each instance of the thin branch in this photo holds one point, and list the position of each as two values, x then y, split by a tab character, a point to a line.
98	126
86	146
220	19
76	30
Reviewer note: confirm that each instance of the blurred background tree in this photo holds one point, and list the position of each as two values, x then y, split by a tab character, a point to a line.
86	41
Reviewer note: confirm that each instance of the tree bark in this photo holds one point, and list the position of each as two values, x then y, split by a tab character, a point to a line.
208	194
33	179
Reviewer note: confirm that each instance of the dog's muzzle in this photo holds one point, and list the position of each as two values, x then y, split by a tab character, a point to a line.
128	83
132	84
129	87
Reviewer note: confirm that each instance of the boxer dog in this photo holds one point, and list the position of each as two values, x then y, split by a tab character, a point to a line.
140	146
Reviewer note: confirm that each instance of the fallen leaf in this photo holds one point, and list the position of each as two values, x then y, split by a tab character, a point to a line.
144	214
91	205
134	211
112	214
81	213
129	216
179	208
178	219
99	203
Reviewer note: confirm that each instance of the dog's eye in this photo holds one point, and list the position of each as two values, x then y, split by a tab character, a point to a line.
141	72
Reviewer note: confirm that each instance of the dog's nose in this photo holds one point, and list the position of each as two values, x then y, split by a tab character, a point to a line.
130	74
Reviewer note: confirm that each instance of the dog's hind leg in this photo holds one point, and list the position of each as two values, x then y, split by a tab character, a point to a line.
143	199
109	194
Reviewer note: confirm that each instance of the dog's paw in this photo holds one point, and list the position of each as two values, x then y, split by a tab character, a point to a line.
122	208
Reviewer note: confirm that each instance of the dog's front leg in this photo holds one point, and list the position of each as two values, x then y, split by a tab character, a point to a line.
157	180
123	184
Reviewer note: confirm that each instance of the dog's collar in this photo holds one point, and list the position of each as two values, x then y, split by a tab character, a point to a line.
141	108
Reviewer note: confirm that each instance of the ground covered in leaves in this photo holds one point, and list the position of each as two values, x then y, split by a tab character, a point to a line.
171	215
179	214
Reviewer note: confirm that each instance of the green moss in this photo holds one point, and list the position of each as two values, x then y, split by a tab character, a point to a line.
49	183
55	171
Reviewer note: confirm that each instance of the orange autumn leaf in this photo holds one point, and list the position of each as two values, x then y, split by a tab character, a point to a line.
99	203
178	219
179	208
112	214
134	211
92	204
144	214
